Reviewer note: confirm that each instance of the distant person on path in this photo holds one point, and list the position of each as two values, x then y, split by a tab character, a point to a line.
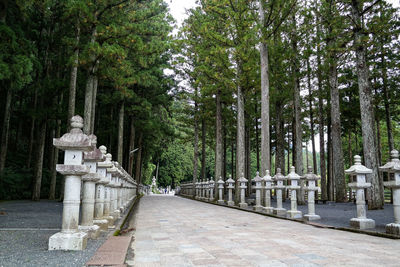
165	191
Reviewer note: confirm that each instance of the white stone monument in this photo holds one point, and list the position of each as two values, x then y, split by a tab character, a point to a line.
74	144
257	179
279	178
230	182
212	184
393	170
358	174
294	178
311	179
221	183
243	185
268	187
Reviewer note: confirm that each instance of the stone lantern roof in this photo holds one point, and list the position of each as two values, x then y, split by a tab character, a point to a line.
279	176
75	139
96	155
267	177
242	179
394	164
358	168
293	175
310	176
220	181
230	180
257	178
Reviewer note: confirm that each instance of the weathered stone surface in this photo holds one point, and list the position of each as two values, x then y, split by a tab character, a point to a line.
68	241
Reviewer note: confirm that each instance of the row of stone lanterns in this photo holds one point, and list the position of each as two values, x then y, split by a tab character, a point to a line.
106	192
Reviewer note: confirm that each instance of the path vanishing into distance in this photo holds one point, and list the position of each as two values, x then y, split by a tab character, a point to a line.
175	231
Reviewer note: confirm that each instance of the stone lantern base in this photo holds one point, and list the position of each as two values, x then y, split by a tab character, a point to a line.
243	205
110	220
231	203
258	208
293	214
281	212
221	202
103	224
68	241
312	217
393	228
93	231
362	223
268	210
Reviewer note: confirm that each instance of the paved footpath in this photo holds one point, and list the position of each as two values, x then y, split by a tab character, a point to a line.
173	231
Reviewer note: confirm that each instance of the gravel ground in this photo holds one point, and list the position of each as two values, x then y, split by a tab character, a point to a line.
25	228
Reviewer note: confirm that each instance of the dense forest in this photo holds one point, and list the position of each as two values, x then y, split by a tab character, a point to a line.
243	85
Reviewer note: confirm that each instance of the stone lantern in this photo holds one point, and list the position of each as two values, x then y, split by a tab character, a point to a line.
258	180
221	190
74	144
358	174
242	184
268	187
212	184
89	190
393	170
311	179
294	178
230	182
197	186
207	190
100	191
279	186
201	190
109	212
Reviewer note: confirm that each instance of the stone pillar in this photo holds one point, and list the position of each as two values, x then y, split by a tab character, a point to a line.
100	191
212	184
221	191
393	182
242	182
279	186
258	188
201	186
267	193
294	178
74	144
230	182
108	194
358	174
197	189
89	190
311	188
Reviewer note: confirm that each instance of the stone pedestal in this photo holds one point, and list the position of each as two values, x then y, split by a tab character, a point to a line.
358	175
293	177
74	143
258	188
242	181
212	184
279	178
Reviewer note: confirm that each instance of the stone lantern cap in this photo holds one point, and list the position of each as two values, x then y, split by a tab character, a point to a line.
220	181
96	155
393	165
242	179
279	176
211	182
257	179
310	176
358	168
293	175
75	139
230	182
268	180
107	163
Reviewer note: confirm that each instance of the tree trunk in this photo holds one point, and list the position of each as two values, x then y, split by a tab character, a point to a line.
32	130
322	164
131	146
248	156
41	137
375	192
310	102
218	135
337	153
5	131
203	149
121	133
330	178
280	138
94	96
265	137
138	159
240	135
257	136
196	142
73	77
53	179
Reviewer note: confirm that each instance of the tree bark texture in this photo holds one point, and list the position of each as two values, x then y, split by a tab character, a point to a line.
41	137
131	146
203	149
310	102
280	138
73	76
196	143
240	135
139	159
218	139
121	133
375	192
5	131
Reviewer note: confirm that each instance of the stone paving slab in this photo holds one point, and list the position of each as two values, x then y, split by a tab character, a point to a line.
112	252
172	231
